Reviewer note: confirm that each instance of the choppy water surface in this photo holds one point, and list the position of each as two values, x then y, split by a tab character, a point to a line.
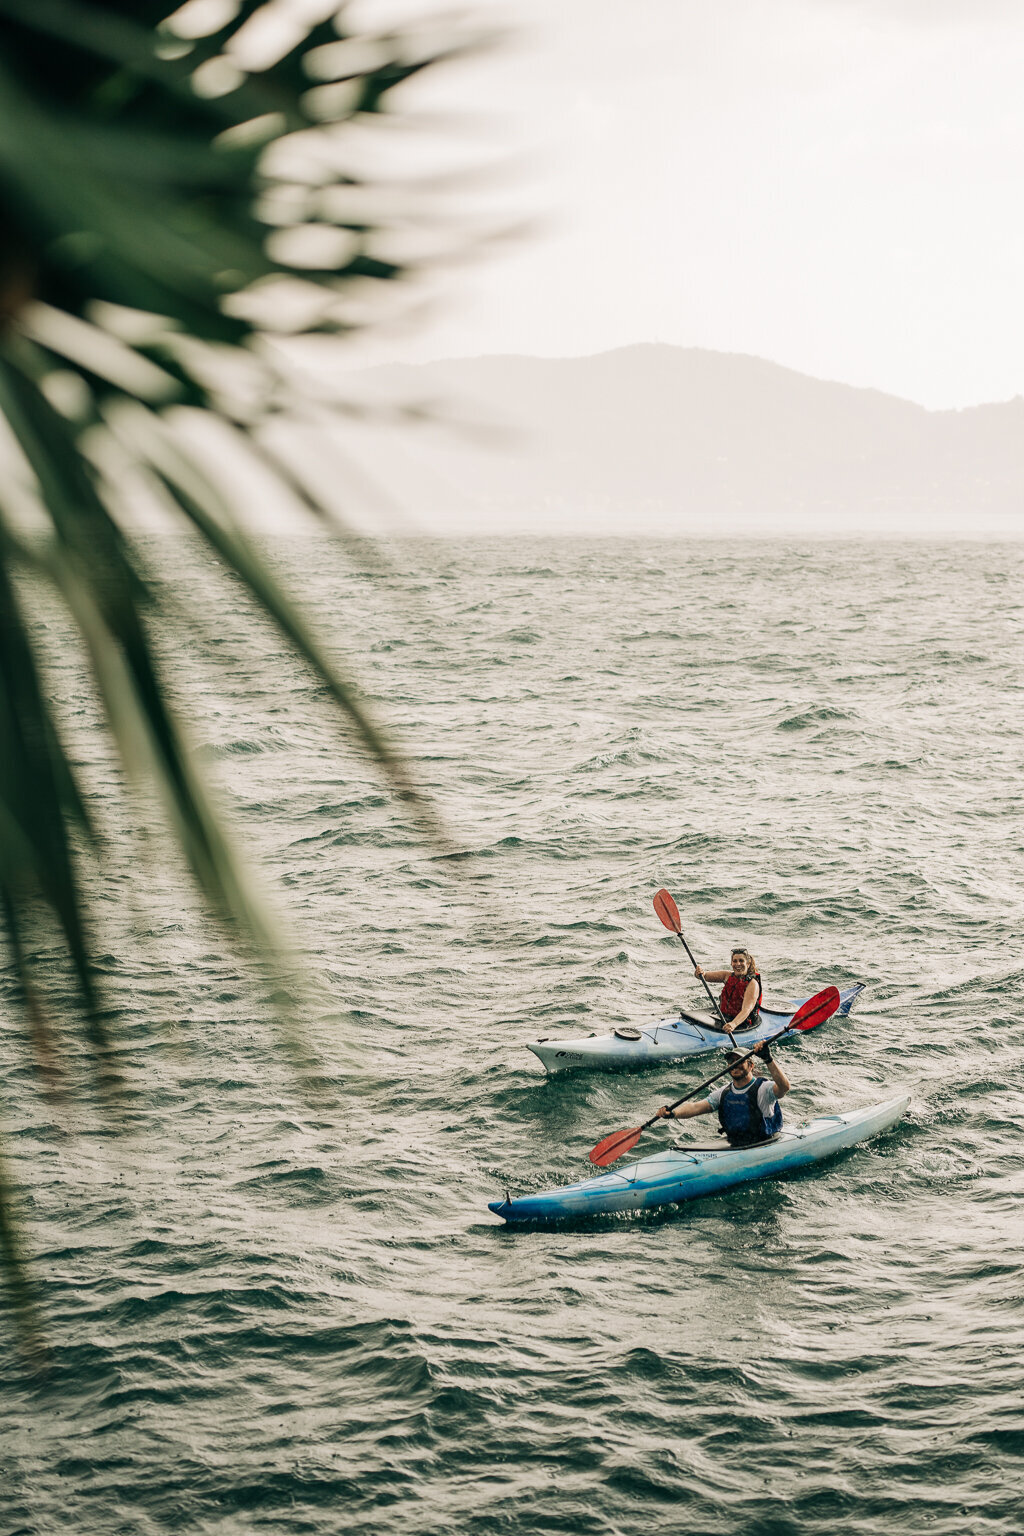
271	1313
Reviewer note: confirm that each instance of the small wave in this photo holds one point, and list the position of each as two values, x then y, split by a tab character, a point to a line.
652	634
517	637
823	715
310	1185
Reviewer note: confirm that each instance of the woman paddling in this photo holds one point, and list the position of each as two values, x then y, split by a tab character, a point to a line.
741	995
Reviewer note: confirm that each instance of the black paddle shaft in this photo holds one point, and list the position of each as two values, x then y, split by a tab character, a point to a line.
707	989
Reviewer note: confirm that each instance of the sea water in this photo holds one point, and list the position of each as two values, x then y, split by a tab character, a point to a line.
279	1303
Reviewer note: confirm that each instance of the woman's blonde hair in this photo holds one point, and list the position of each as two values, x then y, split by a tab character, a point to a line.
751	962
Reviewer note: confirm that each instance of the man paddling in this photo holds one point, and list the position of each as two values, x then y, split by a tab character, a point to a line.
749	1111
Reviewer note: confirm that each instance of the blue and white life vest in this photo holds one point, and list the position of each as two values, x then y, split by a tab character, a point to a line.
742	1121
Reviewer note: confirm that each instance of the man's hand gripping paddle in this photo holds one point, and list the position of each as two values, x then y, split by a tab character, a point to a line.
814	1012
669	914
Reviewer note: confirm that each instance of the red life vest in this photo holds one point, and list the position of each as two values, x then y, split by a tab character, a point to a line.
731	1000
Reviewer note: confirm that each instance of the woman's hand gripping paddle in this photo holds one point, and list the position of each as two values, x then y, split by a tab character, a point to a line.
814	1012
669	914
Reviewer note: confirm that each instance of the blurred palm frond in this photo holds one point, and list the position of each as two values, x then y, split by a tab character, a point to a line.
172	190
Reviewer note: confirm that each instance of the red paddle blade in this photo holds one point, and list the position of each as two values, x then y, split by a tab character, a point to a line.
816	1009
614	1145
667	911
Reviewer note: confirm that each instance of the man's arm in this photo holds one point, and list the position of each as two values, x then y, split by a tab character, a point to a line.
779	1078
685	1111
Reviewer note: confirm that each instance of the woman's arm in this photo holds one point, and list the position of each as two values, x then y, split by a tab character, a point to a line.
711	975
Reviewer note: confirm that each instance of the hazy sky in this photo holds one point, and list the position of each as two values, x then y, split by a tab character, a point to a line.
832	184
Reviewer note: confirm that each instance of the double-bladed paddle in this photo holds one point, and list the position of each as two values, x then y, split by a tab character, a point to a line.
669	914
814	1012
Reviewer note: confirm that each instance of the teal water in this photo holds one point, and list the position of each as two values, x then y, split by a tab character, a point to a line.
293	1313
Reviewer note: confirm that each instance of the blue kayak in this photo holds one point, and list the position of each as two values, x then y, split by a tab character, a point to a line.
687	1034
678	1173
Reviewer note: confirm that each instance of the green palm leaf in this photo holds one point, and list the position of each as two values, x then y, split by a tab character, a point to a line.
142	204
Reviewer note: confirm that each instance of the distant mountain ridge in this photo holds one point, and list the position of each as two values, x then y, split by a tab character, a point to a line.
656	438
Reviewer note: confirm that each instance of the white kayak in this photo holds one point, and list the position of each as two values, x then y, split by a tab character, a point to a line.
680	1173
688	1034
